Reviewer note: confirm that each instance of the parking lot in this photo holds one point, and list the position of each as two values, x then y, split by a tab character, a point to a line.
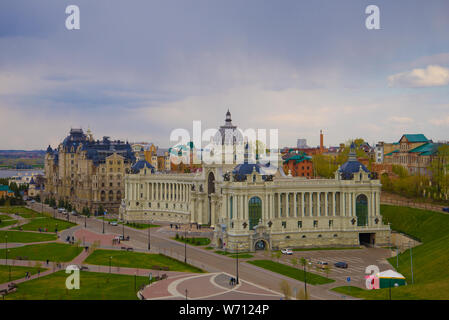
357	260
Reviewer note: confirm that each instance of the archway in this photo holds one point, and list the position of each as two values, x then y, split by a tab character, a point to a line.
361	210
254	211
260	245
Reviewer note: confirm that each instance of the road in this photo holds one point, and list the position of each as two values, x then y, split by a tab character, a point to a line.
207	260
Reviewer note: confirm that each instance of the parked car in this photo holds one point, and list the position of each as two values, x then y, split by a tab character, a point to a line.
74	213
446	209
61	210
287	251
321	264
113	223
342	265
33	201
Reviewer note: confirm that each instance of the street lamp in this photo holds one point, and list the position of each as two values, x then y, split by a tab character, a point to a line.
237	264
103	222
123	228
6	251
85	221
110	259
185	249
149	234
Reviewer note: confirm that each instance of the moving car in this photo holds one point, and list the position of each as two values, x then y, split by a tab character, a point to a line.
341	264
287	251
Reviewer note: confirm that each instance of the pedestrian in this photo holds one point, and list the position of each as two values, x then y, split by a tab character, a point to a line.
171	225
47	262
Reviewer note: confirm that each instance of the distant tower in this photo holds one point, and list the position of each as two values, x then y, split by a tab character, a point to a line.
321	141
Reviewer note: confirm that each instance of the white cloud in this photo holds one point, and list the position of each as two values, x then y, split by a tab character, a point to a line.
401	120
432	76
442	121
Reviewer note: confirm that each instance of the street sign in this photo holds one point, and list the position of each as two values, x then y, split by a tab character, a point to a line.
348	279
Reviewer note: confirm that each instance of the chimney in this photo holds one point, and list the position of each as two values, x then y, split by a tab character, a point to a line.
321	141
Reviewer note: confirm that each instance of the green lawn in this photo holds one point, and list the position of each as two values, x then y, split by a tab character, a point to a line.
141	225
5	223
5	217
295	273
430	260
138	260
194	241
17	272
21	211
47	222
242	255
93	286
25	237
53	251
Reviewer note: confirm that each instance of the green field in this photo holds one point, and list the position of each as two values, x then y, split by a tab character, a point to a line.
26	237
93	286
194	241
430	260
17	272
5	223
46	222
242	255
137	260
53	251
5	217
21	211
295	273
141	226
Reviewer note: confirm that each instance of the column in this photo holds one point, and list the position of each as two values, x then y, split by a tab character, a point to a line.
302	204
279	205
287	204
334	204
265	208
326	209
310	203
212	222
318	201
353	204
295	205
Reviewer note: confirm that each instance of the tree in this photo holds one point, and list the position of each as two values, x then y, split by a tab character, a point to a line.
286	289
278	255
301	295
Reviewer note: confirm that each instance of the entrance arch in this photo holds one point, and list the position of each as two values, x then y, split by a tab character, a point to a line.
361	210
254	211
260	245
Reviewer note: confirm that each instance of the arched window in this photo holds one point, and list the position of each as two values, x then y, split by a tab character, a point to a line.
102	195
111	195
361	210
119	195
254	211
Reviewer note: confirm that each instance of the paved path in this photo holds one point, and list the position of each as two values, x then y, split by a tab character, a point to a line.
394	199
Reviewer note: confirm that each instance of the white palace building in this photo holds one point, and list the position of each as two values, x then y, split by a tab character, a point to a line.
251	208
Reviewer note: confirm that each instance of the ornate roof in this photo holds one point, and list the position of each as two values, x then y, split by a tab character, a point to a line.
352	165
141	164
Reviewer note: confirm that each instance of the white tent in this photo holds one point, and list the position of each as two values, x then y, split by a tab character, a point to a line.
390	274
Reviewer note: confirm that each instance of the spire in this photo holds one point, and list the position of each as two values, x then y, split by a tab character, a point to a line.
228	117
352	154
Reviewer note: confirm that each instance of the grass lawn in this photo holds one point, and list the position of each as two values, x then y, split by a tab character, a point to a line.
93	286
17	272
47	222
5	223
53	251
430	259
5	217
21	211
25	237
141	225
138	260
242	255
295	273
194	241
330	248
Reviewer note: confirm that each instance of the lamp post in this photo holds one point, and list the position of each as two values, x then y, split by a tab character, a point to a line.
6	251
185	249
85	222
149	234
110	259
123	229
54	212
237	264
103	222
411	262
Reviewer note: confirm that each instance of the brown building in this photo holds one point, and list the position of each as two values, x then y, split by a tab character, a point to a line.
298	164
87	173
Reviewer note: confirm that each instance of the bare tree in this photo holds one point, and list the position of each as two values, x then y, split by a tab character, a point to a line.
286	289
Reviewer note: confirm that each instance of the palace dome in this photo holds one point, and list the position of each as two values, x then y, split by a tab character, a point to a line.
141	164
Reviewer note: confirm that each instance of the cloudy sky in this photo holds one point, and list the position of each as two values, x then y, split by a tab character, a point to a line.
137	70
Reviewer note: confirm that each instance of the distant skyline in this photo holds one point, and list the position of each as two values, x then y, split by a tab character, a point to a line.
138	69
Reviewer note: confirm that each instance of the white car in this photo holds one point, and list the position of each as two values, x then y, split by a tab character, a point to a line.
287	251
113	223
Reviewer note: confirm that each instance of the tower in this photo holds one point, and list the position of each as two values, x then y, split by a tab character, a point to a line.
321	141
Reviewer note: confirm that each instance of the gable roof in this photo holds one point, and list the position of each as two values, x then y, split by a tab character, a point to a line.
426	149
415	137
